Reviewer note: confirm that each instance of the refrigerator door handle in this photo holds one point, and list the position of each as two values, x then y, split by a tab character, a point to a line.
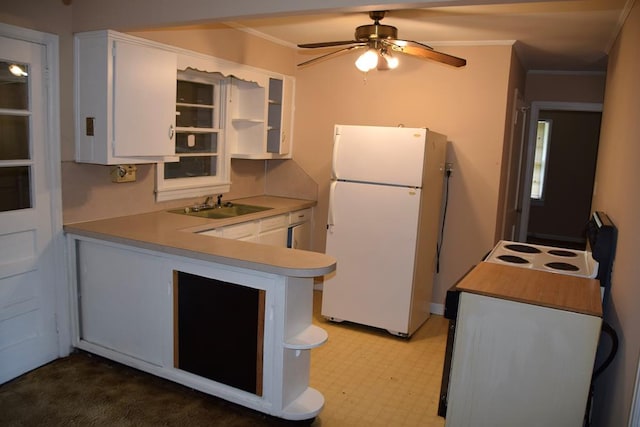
334	160
330	217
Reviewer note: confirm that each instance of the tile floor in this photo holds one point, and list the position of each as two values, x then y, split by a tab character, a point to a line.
371	378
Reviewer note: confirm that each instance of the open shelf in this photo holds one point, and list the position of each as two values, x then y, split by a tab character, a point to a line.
304	407
312	336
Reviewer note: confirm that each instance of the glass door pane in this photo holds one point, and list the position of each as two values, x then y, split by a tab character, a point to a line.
15	151
15	188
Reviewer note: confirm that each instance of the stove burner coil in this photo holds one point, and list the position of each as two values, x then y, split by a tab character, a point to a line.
523	248
562	253
562	266
513	259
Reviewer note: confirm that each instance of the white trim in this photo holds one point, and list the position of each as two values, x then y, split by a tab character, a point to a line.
163	195
52	76
260	34
634	413
622	18
437	308
536	107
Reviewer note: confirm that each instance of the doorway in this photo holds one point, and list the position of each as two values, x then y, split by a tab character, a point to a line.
561	174
33	297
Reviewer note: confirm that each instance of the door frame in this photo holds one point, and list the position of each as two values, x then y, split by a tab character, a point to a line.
536	107
50	42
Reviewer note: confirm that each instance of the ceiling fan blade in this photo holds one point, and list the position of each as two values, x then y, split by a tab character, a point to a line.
335	52
422	50
327	44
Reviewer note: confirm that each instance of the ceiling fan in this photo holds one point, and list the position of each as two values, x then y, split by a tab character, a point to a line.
381	41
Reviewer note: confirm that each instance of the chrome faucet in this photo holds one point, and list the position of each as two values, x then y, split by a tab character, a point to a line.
208	204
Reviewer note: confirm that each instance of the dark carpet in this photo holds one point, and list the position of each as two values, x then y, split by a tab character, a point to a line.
87	390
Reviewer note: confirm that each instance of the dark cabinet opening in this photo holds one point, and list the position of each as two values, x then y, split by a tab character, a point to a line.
219	330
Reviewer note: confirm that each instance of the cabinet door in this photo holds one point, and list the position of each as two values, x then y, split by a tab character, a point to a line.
144	91
276	237
273	230
123	300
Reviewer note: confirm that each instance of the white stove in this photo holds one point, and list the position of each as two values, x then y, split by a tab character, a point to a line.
545	258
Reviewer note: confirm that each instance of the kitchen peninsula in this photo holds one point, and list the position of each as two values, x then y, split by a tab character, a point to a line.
227	317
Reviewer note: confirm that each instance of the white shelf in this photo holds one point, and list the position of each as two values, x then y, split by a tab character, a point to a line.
312	336
247	120
186	104
306	406
196	130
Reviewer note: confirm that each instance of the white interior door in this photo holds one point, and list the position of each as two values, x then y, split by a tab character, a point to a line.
28	335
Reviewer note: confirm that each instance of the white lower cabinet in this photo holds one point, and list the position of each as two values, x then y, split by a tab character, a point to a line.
120	300
273	231
246	231
163	314
268	231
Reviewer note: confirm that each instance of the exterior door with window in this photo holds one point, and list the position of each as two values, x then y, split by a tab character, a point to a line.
28	337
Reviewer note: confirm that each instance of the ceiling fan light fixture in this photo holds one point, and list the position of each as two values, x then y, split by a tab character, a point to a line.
382	39
391	62
367	61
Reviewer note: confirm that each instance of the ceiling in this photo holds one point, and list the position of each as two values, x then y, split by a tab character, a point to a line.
570	35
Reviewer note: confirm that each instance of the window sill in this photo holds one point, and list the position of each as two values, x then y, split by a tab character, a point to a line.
166	194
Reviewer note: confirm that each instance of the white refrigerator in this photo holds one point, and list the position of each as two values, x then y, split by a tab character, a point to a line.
384	210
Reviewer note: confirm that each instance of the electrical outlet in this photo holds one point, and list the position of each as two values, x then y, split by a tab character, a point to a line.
123	173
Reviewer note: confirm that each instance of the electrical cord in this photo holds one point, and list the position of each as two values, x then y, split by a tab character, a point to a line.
444	218
596	373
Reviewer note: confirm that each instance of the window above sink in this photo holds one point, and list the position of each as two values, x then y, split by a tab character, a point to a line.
202	167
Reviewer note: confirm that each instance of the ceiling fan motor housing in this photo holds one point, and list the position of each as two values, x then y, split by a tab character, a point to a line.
376	32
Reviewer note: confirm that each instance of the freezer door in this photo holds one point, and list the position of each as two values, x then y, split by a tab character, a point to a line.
373	238
387	155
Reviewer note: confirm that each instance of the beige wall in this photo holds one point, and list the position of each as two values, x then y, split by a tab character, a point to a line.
617	193
467	104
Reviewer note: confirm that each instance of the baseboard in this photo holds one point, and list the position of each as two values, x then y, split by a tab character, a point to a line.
437	308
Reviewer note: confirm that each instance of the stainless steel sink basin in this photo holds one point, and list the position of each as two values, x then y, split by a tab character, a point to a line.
225	211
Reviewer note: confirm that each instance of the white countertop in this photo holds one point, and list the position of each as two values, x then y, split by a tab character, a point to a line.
176	234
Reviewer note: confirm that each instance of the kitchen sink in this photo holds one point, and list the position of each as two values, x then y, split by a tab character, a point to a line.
228	210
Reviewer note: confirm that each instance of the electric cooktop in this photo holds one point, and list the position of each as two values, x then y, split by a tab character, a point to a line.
545	258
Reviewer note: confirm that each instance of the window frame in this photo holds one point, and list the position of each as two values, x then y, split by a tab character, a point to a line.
180	188
541	158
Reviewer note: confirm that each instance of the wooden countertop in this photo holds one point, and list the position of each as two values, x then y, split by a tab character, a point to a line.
542	288
175	234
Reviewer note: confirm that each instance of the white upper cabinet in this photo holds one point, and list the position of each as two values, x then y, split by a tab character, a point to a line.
259	117
125	91
125	106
